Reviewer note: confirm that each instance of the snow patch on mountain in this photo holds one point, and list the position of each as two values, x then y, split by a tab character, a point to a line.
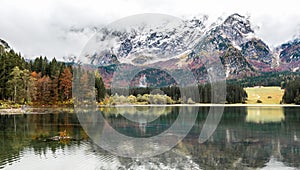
233	40
145	42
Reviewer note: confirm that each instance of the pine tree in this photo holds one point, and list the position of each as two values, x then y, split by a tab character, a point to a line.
100	88
297	100
292	91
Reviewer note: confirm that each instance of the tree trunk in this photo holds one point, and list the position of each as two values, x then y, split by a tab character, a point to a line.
15	95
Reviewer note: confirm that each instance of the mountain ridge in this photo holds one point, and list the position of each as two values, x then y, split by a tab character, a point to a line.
241	51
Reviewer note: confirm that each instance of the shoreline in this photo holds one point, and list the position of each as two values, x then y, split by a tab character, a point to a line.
31	110
206	105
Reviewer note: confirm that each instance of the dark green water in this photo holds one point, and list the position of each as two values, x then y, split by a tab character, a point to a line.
246	138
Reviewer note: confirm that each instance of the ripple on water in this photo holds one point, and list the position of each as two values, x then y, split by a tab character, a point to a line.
72	156
10	158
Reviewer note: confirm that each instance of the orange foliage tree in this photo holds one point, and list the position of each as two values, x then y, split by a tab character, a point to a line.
66	83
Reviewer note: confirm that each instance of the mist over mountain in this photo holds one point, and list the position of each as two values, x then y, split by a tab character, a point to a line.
241	52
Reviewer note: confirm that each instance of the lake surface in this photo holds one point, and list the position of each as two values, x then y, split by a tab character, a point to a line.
245	138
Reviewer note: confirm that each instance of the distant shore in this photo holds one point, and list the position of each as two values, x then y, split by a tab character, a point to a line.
35	110
208	104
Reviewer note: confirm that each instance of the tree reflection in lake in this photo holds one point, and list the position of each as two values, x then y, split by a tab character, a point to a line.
240	141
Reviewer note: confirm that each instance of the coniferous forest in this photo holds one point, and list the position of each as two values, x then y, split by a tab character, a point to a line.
292	92
49	82
37	81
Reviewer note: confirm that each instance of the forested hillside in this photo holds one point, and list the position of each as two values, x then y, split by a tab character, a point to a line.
38	81
49	82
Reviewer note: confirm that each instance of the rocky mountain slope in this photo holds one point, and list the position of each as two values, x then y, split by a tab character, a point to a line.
174	44
289	55
241	52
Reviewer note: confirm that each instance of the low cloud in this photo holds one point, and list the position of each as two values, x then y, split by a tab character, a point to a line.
60	28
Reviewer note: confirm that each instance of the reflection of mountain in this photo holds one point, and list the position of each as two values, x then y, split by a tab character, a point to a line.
137	111
236	144
146	118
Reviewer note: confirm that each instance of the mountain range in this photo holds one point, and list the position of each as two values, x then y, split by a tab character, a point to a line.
240	50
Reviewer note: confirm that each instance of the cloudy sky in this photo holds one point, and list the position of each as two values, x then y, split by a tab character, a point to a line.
42	27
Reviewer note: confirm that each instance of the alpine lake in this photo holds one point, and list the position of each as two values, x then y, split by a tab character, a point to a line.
246	137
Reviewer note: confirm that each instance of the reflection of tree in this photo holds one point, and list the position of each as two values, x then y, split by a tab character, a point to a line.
291	133
12	142
116	117
236	144
32	131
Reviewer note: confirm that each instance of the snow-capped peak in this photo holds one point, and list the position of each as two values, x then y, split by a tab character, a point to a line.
141	41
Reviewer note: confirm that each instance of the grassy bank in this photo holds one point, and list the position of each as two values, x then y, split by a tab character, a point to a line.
267	95
12	105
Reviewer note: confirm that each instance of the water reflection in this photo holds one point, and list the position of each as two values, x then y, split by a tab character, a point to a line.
139	121
154	138
141	114
236	144
264	114
22	132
